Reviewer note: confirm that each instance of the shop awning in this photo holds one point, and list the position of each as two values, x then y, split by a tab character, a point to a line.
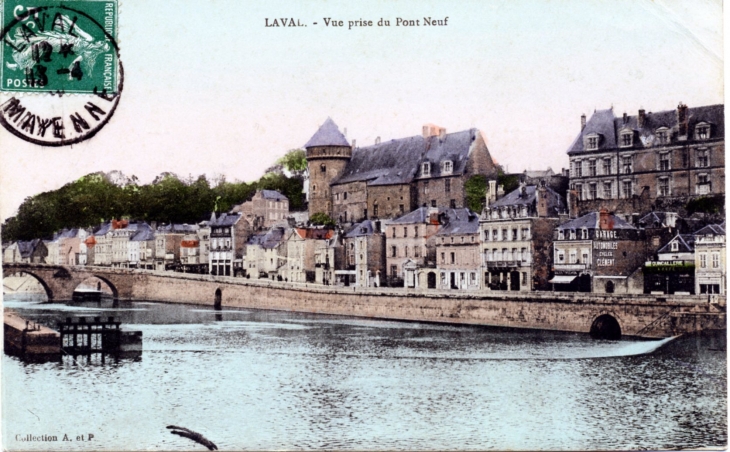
562	279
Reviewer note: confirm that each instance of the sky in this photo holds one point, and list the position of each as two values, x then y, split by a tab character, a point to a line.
209	89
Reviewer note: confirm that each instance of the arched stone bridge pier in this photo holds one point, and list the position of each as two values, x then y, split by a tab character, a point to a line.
601	315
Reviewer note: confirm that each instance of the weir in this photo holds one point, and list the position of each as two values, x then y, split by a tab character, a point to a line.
620	315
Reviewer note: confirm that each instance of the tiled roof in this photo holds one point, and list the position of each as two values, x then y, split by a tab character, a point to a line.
686	244
513	198
591	220
608	126
328	134
273	194
399	161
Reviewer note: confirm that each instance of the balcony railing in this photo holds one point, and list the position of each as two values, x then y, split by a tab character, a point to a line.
572	267
502	264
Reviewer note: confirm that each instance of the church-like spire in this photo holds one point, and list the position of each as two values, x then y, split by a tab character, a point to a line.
328	134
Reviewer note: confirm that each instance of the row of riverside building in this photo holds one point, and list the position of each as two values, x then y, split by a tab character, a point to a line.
616	221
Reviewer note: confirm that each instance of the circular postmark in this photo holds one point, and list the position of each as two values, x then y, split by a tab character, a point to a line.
61	78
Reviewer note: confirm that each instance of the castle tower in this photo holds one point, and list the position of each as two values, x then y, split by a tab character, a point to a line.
327	155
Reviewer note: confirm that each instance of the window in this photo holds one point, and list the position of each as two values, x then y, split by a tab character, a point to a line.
715	260
703	158
393	234
607	190
443	258
486	235
394	270
416	251
472	278
344	195
447	185
314	188
495	235
405	231
525	234
578	169
561	234
523	253
573	257
453	258
606	166
514	234
452	203
591	167
426	169
323	168
702	131
675	246
579	191
561	257
447	167
626	139
703	260
393	251
662	136
504	235
375	210
401	209
406	250
664	186
592	143
425	188
585	257
664	161
415	231
572	234
433	203
626	189
584	234
703	184
592	191
626	165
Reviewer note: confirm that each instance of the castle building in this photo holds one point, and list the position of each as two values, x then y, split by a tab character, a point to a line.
391	178
625	164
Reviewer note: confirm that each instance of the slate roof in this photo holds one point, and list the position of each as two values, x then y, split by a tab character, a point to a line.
328	134
225	219
608	126
421	215
464	222
652	219
104	229
362	229
590	221
712	229
274	195
26	248
269	239
513	198
399	161
144	233
686	244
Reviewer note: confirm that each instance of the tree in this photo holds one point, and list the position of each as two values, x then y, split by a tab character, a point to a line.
476	192
321	218
295	161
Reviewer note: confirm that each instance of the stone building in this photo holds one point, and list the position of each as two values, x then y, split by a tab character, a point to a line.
72	246
600	253
300	245
329	262
141	247
458	262
103	244
229	233
710	260
393	177
365	253
517	234
673	270
266	254
629	164
26	251
265	209
167	244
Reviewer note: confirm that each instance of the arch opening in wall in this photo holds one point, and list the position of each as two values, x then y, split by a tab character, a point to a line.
218	301
95	288
610	287
605	326
431	280
23	286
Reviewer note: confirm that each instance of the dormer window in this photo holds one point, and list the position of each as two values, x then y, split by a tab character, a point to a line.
592	142
662	136
627	139
702	131
426	169
584	234
447	167
675	246
561	234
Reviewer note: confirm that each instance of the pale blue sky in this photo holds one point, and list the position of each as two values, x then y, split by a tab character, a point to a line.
209	89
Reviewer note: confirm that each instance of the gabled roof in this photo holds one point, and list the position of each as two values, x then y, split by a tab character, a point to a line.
225	219
399	161
422	215
604	123
328	134
591	221
273	195
653	219
712	229
463	222
685	242
26	248
269	239
362	229
516	198
104	229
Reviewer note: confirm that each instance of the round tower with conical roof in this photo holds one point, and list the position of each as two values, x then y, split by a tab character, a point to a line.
328	152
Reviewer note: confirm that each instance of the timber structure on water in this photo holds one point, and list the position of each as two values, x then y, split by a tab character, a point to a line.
601	314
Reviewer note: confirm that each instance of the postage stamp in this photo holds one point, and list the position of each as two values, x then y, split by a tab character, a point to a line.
67	51
55	46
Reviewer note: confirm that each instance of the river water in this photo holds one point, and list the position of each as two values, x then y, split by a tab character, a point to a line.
250	379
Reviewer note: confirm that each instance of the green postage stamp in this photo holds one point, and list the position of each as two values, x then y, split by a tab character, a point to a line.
59	46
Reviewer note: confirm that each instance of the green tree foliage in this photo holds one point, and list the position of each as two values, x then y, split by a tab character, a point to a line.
93	199
321	219
295	161
706	204
476	191
510	182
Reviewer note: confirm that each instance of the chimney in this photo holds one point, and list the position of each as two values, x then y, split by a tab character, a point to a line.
542	200
626	118
642	118
582	122
353	143
605	221
442	133
492	192
433	215
377	226
682	121
572	204
344	132
432	130
377	140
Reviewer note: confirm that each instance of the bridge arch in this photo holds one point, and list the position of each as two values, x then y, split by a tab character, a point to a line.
112	287
46	287
606	326
218	300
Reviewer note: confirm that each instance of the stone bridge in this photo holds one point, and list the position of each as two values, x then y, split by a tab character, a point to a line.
599	314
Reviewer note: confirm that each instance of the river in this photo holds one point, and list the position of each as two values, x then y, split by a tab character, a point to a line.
250	379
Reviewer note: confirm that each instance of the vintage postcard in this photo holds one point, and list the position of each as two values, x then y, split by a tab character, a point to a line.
378	225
